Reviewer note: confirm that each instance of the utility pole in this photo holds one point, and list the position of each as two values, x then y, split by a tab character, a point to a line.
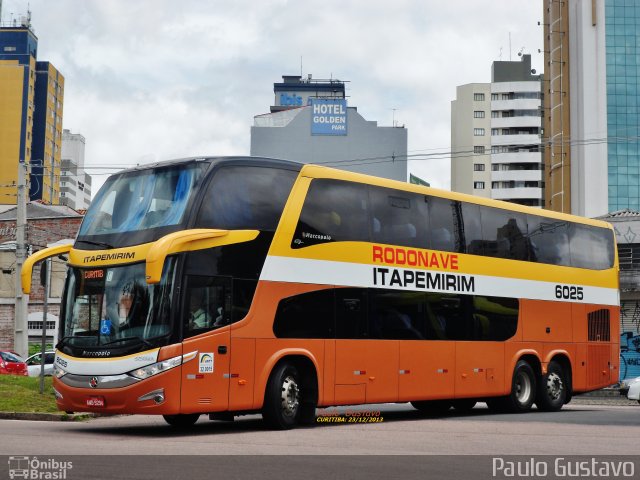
21	337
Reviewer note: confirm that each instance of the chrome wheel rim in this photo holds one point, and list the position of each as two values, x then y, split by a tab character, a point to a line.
554	386
523	388
290	397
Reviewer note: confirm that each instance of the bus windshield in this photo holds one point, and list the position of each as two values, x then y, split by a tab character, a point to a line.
142	200
115	307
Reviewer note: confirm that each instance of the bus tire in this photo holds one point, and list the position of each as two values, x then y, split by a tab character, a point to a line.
552	391
523	389
433	407
283	408
464	404
182	420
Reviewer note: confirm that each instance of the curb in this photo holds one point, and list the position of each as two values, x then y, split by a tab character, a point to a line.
47	417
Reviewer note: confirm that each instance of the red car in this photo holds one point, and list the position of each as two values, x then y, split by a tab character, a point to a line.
12	364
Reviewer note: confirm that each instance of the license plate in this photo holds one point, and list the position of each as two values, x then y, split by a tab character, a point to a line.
95	402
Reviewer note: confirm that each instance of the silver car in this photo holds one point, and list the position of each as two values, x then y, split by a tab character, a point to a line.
33	363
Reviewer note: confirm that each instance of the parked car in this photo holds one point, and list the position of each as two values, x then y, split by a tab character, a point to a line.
12	364
33	363
634	390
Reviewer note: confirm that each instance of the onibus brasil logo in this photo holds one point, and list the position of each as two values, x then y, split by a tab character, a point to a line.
33	468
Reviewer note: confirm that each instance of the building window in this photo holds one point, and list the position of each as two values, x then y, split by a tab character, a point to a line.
478	149
495	114
495	96
478	114
478	185
478	167
478	97
478	132
495	131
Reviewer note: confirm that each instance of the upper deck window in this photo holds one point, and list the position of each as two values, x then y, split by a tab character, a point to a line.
142	200
246	197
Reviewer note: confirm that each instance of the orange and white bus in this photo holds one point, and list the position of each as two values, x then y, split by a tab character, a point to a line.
225	286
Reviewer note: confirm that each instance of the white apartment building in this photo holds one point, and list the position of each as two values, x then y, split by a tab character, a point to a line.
495	136
75	183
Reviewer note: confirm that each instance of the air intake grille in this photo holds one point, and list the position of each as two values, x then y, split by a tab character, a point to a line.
599	326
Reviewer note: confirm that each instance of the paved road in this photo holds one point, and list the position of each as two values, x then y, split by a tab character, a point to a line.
579	429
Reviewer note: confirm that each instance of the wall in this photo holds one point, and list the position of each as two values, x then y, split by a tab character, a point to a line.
40	232
364	140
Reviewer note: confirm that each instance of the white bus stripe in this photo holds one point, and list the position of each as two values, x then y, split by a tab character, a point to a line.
296	270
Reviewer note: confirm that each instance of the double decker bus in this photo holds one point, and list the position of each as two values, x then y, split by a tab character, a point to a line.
226	286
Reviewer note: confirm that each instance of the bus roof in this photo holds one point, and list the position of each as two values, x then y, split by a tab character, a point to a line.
231	159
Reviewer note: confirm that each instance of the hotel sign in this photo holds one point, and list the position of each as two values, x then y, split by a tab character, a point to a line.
328	116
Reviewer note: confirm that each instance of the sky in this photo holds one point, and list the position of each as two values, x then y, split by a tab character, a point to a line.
150	80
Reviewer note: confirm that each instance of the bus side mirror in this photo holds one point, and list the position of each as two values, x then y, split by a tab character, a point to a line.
27	267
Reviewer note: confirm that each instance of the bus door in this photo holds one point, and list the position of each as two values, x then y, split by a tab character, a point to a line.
206	318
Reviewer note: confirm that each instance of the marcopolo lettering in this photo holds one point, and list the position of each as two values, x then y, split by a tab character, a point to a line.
104	257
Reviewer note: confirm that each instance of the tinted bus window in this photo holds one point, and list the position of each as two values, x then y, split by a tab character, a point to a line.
504	233
591	247
309	315
494	318
471	220
442	224
549	240
351	313
246	197
333	211
396	315
399	218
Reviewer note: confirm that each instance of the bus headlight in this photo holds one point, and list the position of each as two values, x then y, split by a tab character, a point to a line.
58	372
151	370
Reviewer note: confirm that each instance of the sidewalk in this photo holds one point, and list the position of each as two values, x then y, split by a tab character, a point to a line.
606	396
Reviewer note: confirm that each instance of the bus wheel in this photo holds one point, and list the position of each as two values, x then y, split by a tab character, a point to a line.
464	404
433	407
523	389
182	420
552	392
282	403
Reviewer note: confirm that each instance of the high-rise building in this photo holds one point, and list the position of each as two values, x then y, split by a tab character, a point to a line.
310	122
47	134
591	133
591	121
31	98
495	135
75	183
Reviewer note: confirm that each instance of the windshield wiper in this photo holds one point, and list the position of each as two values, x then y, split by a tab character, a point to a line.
99	244
126	339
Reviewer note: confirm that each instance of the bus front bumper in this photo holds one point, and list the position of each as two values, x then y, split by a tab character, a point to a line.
159	394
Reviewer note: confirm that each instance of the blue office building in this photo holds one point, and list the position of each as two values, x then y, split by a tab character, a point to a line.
622	29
